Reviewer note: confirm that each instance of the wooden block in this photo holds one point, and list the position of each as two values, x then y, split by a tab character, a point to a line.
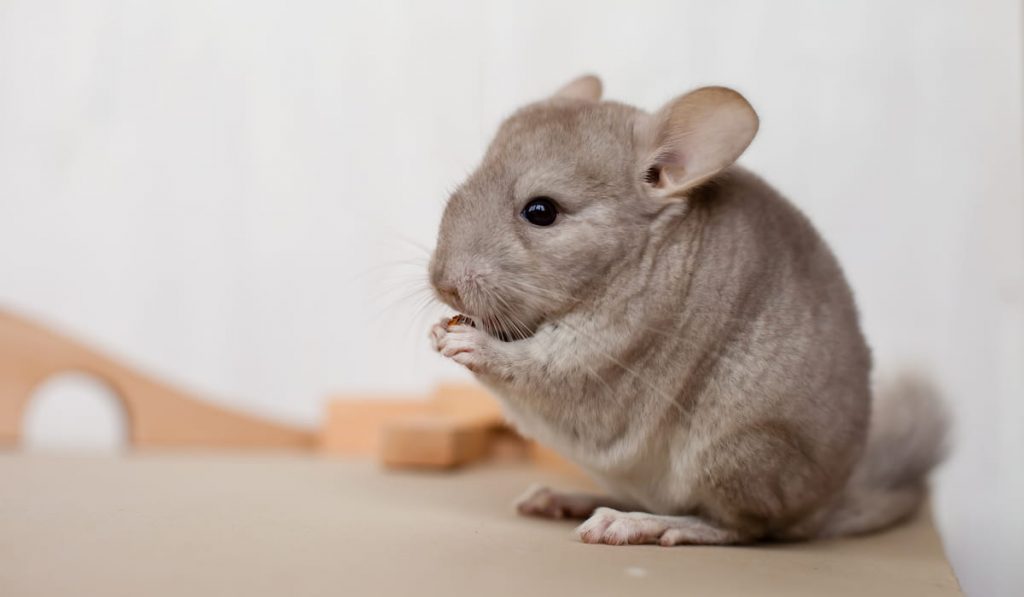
469	401
461	429
353	425
451	428
546	458
505	445
432	441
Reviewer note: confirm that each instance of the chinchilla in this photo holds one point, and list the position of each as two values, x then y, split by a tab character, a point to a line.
665	319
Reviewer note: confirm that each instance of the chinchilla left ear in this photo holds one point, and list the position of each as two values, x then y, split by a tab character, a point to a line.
692	138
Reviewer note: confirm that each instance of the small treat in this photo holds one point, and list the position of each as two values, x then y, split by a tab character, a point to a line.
460	319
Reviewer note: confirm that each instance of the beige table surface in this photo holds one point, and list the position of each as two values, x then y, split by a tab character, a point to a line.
290	525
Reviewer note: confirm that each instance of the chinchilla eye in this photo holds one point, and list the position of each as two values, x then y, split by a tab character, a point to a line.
541	211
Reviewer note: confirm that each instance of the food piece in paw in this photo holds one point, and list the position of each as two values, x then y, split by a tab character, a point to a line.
460	319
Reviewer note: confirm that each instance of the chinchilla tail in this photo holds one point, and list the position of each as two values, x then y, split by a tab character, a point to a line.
907	439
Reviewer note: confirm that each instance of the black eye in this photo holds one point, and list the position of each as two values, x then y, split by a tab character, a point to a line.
540	211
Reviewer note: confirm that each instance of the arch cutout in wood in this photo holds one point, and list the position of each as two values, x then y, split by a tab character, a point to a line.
159	415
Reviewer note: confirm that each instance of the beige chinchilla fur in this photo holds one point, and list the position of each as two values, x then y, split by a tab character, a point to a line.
665	319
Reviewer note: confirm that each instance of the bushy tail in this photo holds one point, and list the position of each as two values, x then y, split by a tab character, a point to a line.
907	439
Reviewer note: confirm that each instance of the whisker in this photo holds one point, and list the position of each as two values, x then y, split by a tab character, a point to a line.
598	344
527	288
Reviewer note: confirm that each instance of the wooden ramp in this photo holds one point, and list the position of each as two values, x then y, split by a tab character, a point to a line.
158	414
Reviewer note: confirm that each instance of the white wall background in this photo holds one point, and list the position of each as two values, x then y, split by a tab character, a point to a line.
222	191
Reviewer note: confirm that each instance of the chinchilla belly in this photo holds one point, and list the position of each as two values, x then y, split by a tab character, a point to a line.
636	469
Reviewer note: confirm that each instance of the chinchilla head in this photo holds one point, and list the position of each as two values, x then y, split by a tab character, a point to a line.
568	192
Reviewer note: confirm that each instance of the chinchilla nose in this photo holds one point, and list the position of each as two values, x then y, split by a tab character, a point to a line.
444	285
449	293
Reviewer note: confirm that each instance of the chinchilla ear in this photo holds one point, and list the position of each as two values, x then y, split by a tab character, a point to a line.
692	138
587	87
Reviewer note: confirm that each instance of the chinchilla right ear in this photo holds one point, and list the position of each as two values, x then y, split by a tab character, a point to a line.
587	87
692	138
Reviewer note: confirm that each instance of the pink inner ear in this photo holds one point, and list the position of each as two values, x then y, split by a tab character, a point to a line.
668	164
669	157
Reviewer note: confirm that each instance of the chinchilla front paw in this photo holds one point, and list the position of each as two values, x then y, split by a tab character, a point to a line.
468	346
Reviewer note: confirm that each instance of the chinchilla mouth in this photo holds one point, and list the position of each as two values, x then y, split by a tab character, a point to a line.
505	333
494	326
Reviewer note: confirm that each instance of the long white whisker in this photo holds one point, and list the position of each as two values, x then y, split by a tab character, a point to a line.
520	327
597	344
